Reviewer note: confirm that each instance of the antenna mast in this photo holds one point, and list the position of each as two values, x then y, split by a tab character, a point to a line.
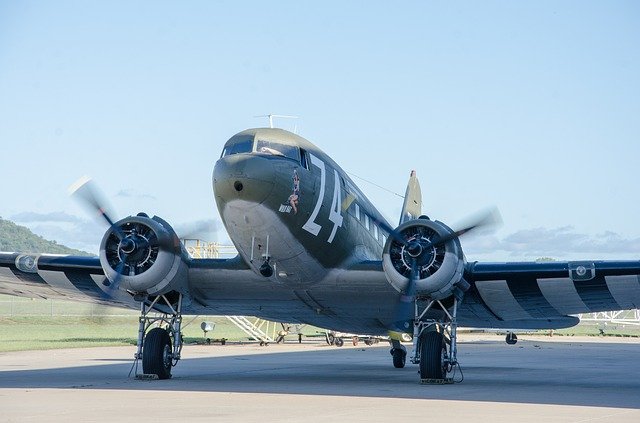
271	116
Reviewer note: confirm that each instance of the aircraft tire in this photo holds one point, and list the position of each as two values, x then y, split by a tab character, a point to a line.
156	353
331	339
399	358
432	353
339	342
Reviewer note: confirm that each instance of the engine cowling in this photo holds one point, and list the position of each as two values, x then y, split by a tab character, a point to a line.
439	267
144	255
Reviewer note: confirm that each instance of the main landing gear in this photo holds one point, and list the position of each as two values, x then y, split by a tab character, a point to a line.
435	344
159	347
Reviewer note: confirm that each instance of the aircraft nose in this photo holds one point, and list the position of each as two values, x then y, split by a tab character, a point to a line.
243	177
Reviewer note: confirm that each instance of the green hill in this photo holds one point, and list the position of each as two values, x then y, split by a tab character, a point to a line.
20	239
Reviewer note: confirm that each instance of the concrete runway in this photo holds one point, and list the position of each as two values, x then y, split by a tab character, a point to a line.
537	380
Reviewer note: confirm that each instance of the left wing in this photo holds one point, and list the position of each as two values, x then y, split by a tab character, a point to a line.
532	290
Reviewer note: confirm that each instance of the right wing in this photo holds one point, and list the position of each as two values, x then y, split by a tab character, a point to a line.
77	278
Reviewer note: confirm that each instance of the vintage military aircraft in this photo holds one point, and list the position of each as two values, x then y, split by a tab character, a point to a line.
313	249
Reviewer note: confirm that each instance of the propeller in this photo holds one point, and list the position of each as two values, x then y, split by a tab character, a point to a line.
130	245
133	245
414	248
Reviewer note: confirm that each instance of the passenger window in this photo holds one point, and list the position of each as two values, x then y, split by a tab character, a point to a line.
366	221
357	211
375	231
277	149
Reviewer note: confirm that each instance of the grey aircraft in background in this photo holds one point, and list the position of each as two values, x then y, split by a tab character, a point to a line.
313	249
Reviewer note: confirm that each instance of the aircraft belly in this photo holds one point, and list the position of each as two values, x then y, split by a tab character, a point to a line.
351	301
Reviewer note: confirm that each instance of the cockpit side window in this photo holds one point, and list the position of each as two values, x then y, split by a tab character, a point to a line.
277	149
239	145
304	161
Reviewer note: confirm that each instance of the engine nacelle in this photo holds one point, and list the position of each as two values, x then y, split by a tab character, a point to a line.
439	267
144	255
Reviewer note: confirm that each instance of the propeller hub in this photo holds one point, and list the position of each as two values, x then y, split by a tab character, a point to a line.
127	245
414	249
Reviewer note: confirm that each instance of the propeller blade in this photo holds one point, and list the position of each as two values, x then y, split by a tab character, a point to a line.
113	286
88	194
201	229
391	231
119	272
405	311
486	219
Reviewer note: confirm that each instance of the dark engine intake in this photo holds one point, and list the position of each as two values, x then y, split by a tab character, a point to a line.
439	267
144	255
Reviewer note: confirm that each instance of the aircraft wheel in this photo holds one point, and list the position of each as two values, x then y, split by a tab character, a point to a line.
338	342
432	356
511	338
331	339
157	353
399	357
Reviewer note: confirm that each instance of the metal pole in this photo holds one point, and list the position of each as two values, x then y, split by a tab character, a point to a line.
141	328
454	332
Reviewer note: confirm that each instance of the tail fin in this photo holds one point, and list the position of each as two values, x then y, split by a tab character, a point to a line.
412	207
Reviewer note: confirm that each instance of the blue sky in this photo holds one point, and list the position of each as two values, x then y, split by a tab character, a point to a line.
532	107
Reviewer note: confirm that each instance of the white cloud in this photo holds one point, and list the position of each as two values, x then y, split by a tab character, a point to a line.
131	193
63	228
44	217
561	243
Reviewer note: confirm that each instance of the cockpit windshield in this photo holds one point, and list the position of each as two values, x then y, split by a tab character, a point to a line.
245	144
240	144
277	149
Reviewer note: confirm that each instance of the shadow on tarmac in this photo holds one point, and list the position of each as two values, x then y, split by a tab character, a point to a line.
532	372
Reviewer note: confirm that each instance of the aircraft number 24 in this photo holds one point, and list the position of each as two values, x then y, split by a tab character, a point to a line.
334	213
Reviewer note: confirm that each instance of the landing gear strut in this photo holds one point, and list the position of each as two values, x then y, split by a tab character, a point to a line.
159	347
435	344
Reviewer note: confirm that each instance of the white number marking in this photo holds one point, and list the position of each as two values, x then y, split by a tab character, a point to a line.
334	213
336	205
311	226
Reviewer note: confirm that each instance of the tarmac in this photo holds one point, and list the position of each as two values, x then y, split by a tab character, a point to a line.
539	379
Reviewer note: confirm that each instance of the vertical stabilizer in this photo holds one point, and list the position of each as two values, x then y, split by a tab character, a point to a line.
412	207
